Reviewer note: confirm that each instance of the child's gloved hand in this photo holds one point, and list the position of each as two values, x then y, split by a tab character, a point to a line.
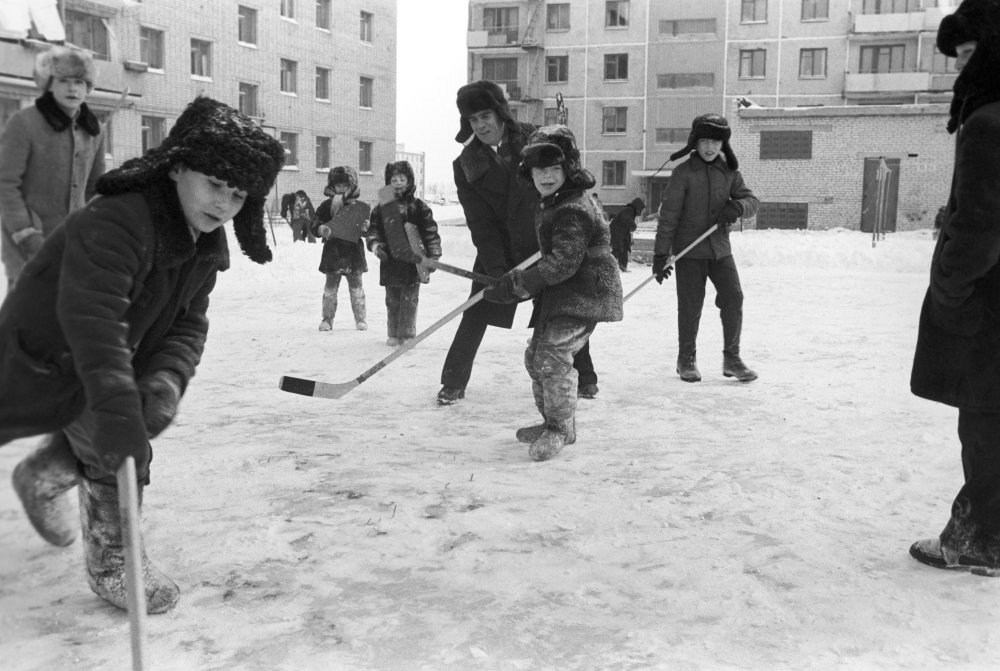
160	393
380	252
30	243
425	264
661	267
508	289
729	213
324	231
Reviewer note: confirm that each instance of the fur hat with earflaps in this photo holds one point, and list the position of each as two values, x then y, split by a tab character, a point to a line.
709	127
406	170
66	62
555	145
342	174
477	97
213	138
977	84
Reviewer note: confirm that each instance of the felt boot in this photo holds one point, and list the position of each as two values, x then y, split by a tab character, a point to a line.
42	481
359	308
329	310
556	435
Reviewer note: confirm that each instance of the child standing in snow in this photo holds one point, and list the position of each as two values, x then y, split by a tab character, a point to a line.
575	284
106	324
340	257
399	277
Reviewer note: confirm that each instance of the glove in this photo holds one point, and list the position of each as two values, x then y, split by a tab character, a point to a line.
729	213
661	267
31	243
324	231
428	268
160	393
508	289
378	249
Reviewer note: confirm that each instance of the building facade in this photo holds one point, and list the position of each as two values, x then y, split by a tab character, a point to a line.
320	75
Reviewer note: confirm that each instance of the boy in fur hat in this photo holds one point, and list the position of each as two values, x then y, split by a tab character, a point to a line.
341	257
51	155
499	212
106	325
956	360
400	277
706	189
575	284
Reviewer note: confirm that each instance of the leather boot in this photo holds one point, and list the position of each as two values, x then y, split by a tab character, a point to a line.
42	481
687	368
104	552
556	435
733	366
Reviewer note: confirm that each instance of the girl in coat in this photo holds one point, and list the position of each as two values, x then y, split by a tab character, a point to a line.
106	325
399	277
575	285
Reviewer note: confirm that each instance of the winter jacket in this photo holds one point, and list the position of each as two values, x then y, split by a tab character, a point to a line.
578	273
695	195
119	291
49	166
958	339
622	226
339	256
499	211
396	273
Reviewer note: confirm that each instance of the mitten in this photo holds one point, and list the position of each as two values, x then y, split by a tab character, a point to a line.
508	289
323	231
729	213
30	242
379	250
661	267
160	393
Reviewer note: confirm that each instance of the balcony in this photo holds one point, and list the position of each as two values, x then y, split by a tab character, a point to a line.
19	62
494	37
908	22
885	82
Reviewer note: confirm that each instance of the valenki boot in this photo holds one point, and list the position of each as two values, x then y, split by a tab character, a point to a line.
104	552
556	435
42	481
359	308
329	310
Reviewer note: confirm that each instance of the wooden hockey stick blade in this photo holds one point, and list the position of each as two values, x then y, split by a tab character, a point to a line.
471	274
128	506
671	261
297	385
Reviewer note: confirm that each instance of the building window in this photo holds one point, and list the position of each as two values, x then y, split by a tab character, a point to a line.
612	173
812	63
151	47
753	63
616	14
367	92
685	80
783	215
288	9
290	141
248	99
153	131
322	153
288	78
672	135
247	25
615	120
753	11
550	116
367	27
882	58
87	31
890	6
364	156
501	21
786	144
615	67
556	69
557	16
815	10
201	58
323	14
675	28
322	83
502	71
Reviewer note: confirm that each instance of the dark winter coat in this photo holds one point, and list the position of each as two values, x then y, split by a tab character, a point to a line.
623	225
396	273
119	291
579	275
339	256
957	360
499	211
695	195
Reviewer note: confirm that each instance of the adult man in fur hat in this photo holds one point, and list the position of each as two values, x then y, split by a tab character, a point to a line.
706	189
499	211
956	361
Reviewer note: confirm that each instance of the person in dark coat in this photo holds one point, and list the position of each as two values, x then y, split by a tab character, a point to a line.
957	359
399	276
704	190
575	285
622	227
297	210
105	327
341	258
499	212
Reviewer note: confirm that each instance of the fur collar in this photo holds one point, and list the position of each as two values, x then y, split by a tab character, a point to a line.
174	243
59	120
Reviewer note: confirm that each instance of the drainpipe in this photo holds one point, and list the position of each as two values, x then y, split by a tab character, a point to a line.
777	79
725	55
645	93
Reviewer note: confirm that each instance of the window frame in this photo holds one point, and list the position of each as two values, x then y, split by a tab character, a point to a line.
815	6
89	31
248	98
617	170
813	51
321	83
753	54
614	18
614	120
895	48
620	60
366	88
367	28
679	77
152	40
366	157
754	7
323	152
152	127
204	58
561	64
289	74
561	8
286	9
323	15
290	142
243	20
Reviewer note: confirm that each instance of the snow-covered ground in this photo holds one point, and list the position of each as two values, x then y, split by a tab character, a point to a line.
692	526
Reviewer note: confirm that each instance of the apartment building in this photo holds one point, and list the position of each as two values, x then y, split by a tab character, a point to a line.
634	73
320	75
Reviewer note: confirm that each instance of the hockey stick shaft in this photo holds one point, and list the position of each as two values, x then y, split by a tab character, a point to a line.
305	387
673	260
471	274
128	506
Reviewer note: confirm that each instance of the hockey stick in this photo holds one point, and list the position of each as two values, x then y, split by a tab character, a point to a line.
672	260
128	507
472	275
297	385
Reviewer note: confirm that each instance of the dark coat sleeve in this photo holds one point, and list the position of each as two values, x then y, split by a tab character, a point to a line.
485	226
423	217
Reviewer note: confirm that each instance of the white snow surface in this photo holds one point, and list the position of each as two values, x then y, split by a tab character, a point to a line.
716	525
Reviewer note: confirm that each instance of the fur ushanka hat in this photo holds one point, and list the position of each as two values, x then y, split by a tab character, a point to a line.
555	145
406	170
215	139
62	61
342	174
973	21
476	97
709	127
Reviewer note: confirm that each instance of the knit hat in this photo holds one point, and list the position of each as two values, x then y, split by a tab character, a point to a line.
976	84
555	145
709	127
402	168
342	174
476	97
213	138
67	62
